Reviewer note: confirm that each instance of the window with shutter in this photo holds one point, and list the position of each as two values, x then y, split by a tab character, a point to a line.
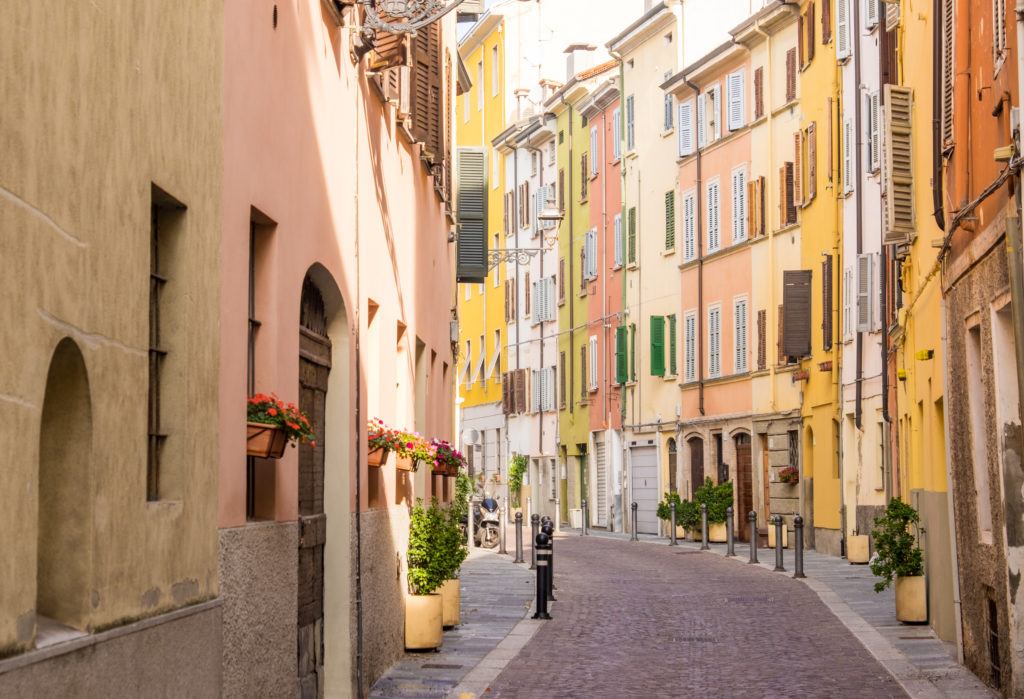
667	124
672	345
702	127
549	389
508	302
426	91
713	200
670	220
631	234
685	135
583	372
796	302
514	295
874	144
809	29
630	125
529	298
847	155
898	178
739	205
617	133
657	345
583	266
812	161
471	215
758	92
561	280
892	21
866	299
787	200
535	223
798	159
690	338
561	379
632	351
535	393
826	21
740	336
561	189
549	299
618	240
621	356
842	29
735	86
584	176
871	13
593	151
506	402
714	109
592	369
592	254
714	342
801	51
791	74
848	300
780	339
690	225
947	71
762	340
826	303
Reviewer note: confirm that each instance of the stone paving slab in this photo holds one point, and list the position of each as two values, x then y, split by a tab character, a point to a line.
496	595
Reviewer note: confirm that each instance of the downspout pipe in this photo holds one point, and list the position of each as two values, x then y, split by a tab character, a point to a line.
700	268
859	200
569	263
887	74
540	329
1014	251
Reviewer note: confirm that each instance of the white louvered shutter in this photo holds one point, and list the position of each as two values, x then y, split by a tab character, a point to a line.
593	150
617	136
618	240
702	131
691	347
947	70
685	128
847	303
740	336
714	342
592	361
842	29
689	226
535	387
735	89
535	309
715	112
864	284
847	155
714	241
874	139
739	206
871	13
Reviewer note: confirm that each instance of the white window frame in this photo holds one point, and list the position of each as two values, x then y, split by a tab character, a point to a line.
739	204
630	123
714	340
480	82
685	140
874	140
714	211
595	148
668	110
690	225
495	77
736	89
848	146
690	342
617	136
617	225
842	30
592	363
741	335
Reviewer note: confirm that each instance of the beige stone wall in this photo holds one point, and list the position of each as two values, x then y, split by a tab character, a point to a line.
101	101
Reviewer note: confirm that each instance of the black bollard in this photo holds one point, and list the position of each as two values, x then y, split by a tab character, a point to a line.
540	545
704	527
752	519
730	540
798	547
778	544
501	530
584	516
519	537
534	530
549	529
634	536
672	534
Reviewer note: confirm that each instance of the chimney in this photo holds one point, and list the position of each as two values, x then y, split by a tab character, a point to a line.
521	94
578	57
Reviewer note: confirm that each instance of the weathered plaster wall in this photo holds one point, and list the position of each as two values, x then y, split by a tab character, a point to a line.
384	586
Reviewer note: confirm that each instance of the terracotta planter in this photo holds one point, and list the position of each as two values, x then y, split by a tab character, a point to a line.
451	600
717	533
911	600
377	457
423	621
405	463
265	441
857	549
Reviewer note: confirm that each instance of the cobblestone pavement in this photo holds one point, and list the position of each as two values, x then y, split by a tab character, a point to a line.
640	620
496	595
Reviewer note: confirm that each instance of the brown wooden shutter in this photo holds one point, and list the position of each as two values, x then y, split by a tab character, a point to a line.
801	51
796	302
798	159
561	378
515	298
826	303
752	207
527	295
826	21
809	27
791	75
783	208
812	161
520	381
762	340
561	279
426	90
505	403
561	189
758	92
788	196
783	359
761	204
828	137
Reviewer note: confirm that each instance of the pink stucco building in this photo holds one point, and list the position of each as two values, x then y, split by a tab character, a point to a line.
337	294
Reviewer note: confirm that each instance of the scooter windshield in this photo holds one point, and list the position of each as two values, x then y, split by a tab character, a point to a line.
490	504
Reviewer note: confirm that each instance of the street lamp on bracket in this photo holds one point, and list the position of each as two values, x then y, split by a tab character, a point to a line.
549	214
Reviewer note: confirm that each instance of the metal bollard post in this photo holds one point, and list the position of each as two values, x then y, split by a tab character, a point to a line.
585	516
730	540
519	537
540	545
501	530
778	544
549	529
672	534
534	530
752	518
704	527
634	536
798	547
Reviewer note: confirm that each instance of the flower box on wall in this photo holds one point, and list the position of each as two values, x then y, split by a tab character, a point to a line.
377	457
265	441
405	463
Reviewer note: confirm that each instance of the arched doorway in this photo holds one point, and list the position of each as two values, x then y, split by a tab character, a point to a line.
64	556
744	485
696	445
673	485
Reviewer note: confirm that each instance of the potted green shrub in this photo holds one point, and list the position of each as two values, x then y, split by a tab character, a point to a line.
718	498
516	468
898	558
665	513
271	424
456	549
429	567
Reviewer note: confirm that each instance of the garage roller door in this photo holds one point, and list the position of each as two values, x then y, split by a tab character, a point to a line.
644	465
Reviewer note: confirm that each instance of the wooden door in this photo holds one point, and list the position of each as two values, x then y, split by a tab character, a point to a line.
314	367
696	464
744	486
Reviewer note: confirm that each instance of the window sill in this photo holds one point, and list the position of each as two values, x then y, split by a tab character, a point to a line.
616	267
631	154
668	253
669	132
671	377
632	266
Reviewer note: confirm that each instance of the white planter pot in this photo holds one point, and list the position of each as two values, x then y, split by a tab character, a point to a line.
423	626
911	599
451	599
717	533
771	536
857	549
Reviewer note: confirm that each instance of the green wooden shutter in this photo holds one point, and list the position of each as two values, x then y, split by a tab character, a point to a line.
632	234
672	345
657	345
471	215
632	351
670	220
621	358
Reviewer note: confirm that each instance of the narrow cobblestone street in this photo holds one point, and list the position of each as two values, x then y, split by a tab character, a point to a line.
653	621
